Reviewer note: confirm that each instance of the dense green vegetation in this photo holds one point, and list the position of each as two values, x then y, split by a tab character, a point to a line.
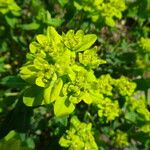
74	74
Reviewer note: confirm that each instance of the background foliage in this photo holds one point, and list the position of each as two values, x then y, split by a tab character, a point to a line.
121	68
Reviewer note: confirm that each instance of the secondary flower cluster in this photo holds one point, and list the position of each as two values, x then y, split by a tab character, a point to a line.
110	89
145	44
100	10
138	105
9	6
108	86
79	136
142	59
108	109
120	139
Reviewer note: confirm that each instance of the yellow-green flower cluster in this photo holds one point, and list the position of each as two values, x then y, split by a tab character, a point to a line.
110	89
124	86
102	10
145	44
139	106
108	86
105	84
79	136
88	58
142	58
55	54
140	61
145	128
108	109
120	139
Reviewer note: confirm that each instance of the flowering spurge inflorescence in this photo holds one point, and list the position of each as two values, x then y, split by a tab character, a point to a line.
120	139
110	89
142	57
100	10
108	109
108	86
124	86
145	44
105	84
60	70
137	105
79	136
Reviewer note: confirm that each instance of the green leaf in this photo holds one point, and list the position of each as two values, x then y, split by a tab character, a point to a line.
131	116
13	82
109	21
10	142
33	47
42	39
63	107
33	96
48	90
87	42
11	21
78	6
30	26
55	22
28	73
2	65
13	144
10	135
63	2
47	94
56	89
53	35
61	120
143	84
39	81
87	98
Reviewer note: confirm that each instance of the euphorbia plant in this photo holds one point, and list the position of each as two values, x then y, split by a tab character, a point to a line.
60	72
